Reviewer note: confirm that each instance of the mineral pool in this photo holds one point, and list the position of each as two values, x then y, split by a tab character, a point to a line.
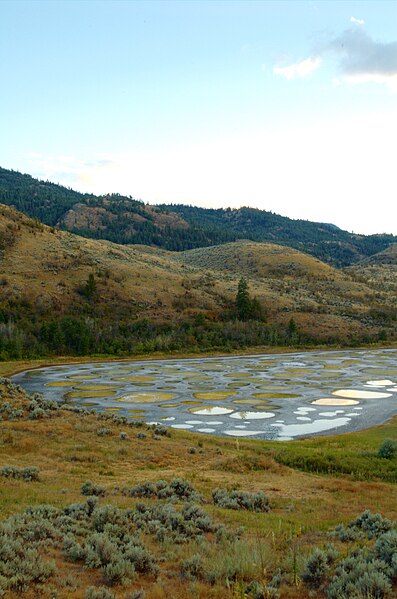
279	397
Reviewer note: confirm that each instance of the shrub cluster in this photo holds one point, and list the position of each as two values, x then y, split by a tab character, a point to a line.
318	565
161	430
177	489
10	412
241	500
89	489
167	524
102	537
367	525
21	537
41	408
30	473
365	572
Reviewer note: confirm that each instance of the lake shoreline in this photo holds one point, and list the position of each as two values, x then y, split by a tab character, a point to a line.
248	387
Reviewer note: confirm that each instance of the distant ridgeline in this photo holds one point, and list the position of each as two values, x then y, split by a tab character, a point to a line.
125	220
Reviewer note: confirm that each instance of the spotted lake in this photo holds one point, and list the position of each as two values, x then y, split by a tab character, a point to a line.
281	396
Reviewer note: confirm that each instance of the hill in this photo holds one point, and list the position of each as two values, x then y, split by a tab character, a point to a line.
126	220
63	293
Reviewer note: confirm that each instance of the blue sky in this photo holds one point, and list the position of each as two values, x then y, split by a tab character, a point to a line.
285	106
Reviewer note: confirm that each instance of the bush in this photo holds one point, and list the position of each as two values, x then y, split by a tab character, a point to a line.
192	568
30	473
98	593
371	524
316	568
366	525
167	524
386	547
72	550
161	430
388	449
177	489
358	577
241	500
118	571
104	432
141	558
88	488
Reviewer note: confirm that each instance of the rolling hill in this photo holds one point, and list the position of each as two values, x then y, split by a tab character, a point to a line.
125	220
146	298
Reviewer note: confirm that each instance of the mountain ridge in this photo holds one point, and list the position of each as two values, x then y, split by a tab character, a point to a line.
178	227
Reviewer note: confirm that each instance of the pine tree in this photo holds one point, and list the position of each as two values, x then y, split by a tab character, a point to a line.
91	287
243	302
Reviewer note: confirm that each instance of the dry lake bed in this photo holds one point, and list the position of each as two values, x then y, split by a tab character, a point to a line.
279	397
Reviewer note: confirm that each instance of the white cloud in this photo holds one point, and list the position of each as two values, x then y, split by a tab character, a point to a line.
389	80
363	60
357	21
298	69
360	59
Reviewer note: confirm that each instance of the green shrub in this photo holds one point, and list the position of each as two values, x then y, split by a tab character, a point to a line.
98	593
192	568
141	558
358	577
177	489
104	432
388	449
88	489
72	550
30	473
161	430
118	571
371	524
241	500
316	568
386	547
366	525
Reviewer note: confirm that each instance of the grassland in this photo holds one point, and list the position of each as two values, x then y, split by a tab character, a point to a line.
312	485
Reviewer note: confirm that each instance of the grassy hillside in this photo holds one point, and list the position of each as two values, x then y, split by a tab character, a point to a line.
303	490
147	299
125	220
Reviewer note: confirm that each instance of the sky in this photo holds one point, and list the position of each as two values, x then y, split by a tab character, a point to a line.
284	106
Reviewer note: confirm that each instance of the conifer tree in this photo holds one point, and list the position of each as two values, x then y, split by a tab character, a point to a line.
243	302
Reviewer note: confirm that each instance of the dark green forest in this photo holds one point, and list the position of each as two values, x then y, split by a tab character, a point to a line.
86	332
126	220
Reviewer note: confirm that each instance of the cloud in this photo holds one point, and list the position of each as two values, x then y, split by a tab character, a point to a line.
357	21
360	54
360	59
298	69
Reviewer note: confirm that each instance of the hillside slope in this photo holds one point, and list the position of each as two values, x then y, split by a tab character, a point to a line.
126	220
144	298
